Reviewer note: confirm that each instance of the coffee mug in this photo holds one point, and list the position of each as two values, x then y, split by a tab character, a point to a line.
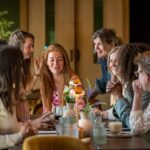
115	127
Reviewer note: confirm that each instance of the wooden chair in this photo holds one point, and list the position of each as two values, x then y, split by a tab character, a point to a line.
35	102
96	103
53	143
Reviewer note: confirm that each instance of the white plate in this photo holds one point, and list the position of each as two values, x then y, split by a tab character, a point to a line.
47	132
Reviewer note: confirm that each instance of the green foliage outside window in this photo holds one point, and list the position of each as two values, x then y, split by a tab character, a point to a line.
5	25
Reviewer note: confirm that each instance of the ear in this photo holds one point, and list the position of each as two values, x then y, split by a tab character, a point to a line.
112	44
148	77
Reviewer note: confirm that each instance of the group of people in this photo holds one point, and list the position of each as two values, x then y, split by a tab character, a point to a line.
17	79
125	75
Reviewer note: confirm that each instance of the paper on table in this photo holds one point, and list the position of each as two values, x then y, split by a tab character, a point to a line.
122	134
47	132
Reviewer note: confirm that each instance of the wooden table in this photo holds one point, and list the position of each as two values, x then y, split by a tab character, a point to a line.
133	143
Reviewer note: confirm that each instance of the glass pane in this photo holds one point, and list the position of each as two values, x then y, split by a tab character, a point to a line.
50	22
98	19
98	14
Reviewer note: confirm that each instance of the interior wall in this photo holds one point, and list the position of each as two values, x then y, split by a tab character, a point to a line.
36	24
65	25
24	15
32	19
116	16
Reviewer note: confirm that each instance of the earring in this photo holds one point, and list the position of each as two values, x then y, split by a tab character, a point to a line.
14	86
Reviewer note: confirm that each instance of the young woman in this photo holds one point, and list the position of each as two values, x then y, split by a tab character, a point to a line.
11	132
139	117
56	73
25	41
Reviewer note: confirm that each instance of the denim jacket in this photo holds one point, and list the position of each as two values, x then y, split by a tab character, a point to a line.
123	106
100	84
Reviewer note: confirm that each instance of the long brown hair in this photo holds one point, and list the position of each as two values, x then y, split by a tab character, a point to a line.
17	38
47	80
126	56
10	75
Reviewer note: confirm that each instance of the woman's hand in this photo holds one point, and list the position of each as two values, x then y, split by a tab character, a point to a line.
110	85
27	129
137	88
115	88
45	121
117	91
37	66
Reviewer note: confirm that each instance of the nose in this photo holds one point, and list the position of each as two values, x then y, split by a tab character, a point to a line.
115	64
96	47
31	48
55	63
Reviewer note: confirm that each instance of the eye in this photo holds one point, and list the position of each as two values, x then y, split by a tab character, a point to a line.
51	59
60	59
110	61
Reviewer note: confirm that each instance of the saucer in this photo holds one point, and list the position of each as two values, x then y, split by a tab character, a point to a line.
122	134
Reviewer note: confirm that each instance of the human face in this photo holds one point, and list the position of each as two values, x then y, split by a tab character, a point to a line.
28	48
143	78
55	62
102	48
113	63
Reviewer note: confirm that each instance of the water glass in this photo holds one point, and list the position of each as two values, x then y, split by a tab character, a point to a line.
99	135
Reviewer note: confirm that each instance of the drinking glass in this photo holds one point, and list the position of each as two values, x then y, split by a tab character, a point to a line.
58	111
99	135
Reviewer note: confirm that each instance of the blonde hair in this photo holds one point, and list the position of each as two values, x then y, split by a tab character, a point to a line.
109	54
113	77
47	81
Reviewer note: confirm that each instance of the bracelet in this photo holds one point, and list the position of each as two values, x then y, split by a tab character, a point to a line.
35	74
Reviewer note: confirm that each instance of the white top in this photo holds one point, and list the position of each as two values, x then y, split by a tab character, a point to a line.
8	121
9	128
140	120
10	140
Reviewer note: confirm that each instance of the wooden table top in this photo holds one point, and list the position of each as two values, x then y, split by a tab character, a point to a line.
125	143
130	143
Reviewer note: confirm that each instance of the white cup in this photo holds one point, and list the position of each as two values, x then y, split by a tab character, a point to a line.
115	127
